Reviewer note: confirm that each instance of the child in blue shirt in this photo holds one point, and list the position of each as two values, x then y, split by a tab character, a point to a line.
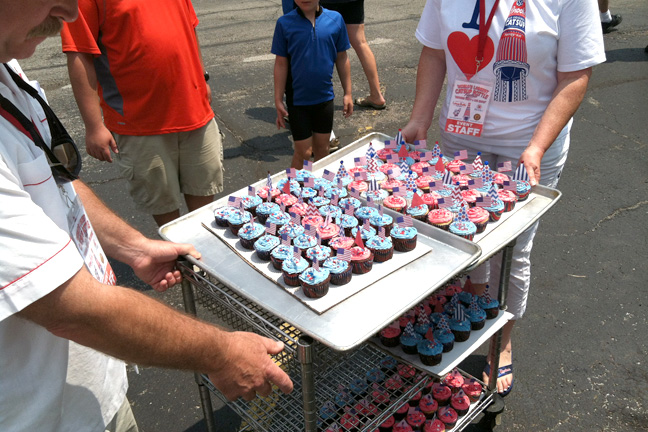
308	42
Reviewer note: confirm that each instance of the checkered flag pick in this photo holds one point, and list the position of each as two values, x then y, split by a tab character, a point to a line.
521	173
371	152
477	163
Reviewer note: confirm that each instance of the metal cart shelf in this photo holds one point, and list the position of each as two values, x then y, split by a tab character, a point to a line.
328	350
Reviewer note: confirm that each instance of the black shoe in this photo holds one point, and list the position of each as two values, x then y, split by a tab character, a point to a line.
608	26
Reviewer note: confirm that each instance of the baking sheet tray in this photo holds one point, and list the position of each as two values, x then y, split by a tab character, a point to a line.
353	321
336	294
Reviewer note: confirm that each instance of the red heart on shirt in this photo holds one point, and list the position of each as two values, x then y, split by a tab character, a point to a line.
464	51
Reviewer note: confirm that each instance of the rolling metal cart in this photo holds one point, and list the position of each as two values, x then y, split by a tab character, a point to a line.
324	352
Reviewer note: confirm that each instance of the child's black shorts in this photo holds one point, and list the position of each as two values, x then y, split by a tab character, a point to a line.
352	12
306	119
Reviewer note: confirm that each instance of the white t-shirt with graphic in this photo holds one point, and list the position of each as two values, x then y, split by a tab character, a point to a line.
540	38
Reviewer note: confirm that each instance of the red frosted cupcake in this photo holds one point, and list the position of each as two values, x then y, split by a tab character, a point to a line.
454	166
327	232
440	218
473	389
460	402
415	418
386	167
441	393
396	203
479	216
402	426
389	336
428	406
435	425
448	416
431	200
359	185
417	167
387	425
384	152
508	197
390	184
499	178
454	380
470	196
286	199
361	260
401	412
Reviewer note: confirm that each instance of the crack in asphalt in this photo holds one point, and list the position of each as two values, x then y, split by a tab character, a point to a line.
617	212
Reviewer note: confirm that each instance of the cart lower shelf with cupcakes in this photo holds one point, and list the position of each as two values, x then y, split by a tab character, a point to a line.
380	347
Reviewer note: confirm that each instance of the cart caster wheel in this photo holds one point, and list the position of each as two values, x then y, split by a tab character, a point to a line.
493	413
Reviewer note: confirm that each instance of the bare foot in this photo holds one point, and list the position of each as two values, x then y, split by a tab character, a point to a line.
504	382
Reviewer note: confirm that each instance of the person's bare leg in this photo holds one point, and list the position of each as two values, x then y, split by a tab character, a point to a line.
303	151
320	145
195	201
367	60
164	218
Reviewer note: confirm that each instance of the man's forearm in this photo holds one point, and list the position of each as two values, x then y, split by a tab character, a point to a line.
83	78
343	67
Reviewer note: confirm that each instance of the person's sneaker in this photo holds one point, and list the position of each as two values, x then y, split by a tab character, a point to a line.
608	26
334	145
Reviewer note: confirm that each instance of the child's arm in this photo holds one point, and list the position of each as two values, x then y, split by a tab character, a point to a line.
280	77
344	72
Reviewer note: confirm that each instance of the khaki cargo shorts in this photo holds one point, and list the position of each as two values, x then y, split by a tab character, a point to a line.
160	168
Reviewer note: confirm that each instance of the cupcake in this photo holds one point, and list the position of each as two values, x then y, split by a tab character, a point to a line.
332	191
361	260
402	426
344	398
423	182
304	242
381	247
419	212
237	219
396	203
250	233
444	336
279	218
291	229
476	316
340	271
358	185
375	375
429	352
410	339
346	223
441	393
460	402
312	220
448	416
349	421
479	216
327	413
406	372
454	380
294	185
327	232
417	167
341	243
250	203
415	418
404	238
264	245
422	325
320	201
263	193
291	269
376	196
264	210
279	254
388	363
465	229
455	165
522	189
470	196
508	198
366	232
365	408
440	218
299	208
461	180
434	425
331	210
459	325
287	200
495	210
390	184
365	213
353	202
490	305
358	386
499	178
430	200
387	425
384	152
385	221
394	384
221	213
318	252
428	406
473	389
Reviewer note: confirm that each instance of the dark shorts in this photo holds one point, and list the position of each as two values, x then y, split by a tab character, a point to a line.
306	119
352	12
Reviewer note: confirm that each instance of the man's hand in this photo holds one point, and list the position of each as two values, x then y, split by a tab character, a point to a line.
155	262
414	131
99	143
281	114
531	158
248	368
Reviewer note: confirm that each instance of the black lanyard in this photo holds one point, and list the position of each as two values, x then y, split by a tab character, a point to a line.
58	132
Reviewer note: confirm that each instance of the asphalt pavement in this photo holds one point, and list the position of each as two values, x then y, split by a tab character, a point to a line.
580	351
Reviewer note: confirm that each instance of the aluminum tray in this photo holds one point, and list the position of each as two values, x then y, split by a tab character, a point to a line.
359	317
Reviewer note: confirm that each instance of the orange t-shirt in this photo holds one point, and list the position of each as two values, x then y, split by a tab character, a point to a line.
147	62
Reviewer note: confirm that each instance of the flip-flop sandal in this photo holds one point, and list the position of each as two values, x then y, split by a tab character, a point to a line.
366	103
501	372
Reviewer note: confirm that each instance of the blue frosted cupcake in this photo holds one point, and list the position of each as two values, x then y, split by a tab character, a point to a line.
495	210
429	352
264	245
221	213
279	254
319	201
409	339
376	196
321	183
404	238
340	271
292	229
385	221
365	233
250	233
294	185
321	253
358	386
308	193
445	337
418	212
292	268
353	202
466	230
279	218
375	375
460	327
302	175
347	223
334	190
237	219
465	298
366	212
476	316
250	203
303	242
330	209
382	248
315	283
522	189
264	210
490	305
